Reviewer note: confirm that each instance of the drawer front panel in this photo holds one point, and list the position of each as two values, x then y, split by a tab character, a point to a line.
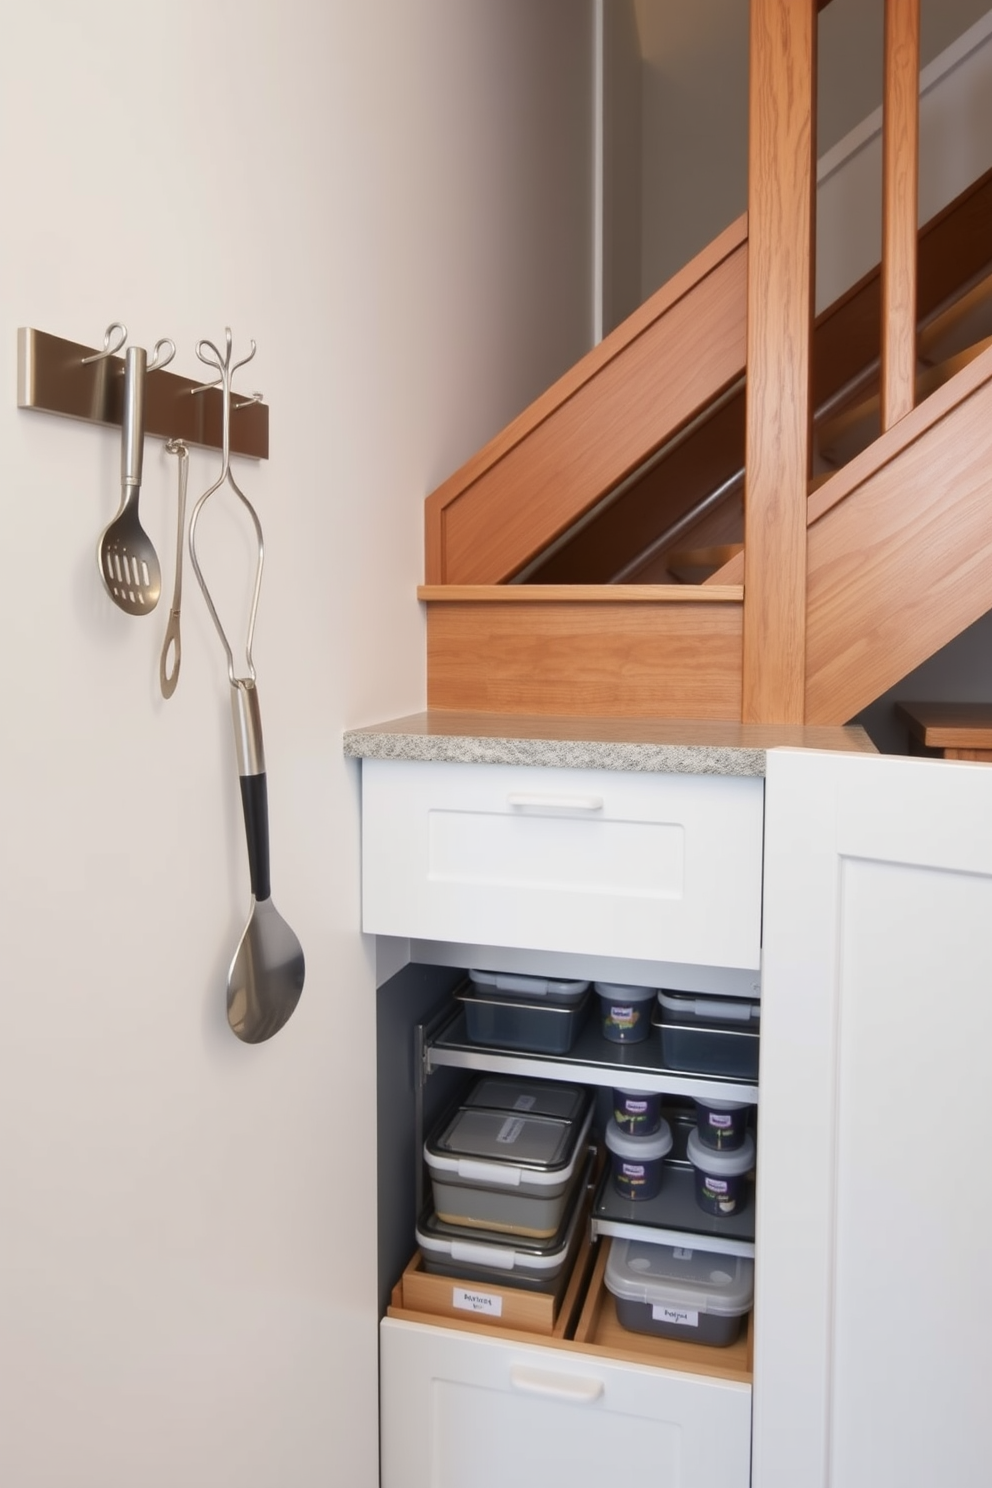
465	1411
646	867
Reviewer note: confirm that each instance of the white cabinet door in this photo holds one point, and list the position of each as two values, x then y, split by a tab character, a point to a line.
460	1410
874	1222
599	862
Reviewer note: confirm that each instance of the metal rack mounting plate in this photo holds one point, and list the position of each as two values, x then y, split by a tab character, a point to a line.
52	377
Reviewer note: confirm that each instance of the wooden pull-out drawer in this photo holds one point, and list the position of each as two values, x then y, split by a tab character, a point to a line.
466	1405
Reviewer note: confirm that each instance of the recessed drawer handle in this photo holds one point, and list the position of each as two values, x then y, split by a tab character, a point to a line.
571	1387
521	800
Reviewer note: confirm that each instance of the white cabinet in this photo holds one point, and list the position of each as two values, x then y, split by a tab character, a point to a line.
873	1291
462	1410
874	1288
637	868
595	862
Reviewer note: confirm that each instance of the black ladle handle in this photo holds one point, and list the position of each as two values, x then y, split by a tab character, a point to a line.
254	790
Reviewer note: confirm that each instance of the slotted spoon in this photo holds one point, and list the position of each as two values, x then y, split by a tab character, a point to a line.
128	562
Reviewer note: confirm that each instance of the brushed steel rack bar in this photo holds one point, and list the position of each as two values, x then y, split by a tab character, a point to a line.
52	377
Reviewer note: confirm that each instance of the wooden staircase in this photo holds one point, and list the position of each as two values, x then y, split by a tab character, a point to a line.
557	558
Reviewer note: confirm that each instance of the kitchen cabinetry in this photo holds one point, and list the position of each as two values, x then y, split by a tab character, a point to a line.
872	1290
583	862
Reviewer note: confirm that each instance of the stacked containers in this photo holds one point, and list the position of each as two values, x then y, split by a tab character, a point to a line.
509	1159
721	1150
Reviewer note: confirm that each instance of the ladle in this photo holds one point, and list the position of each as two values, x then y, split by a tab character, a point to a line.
266	975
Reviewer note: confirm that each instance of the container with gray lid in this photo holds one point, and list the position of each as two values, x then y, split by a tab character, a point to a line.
709	1035
528	1262
537	1015
535	1097
517	988
505	1170
677	1291
721	1178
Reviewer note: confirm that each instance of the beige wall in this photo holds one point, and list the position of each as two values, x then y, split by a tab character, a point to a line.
394	201
694	146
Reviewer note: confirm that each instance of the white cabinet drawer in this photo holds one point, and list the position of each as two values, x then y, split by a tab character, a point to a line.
462	1410
642	866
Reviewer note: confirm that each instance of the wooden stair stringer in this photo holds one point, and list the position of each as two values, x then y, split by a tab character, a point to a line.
899	548
600	422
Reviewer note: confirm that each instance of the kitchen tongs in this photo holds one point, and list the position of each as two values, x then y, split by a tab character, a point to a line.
266	975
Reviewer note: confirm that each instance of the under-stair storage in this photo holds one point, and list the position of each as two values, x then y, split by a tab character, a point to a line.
610	871
485	1384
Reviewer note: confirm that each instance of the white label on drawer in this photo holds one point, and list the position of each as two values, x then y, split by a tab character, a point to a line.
491	1303
525	1103
510	1130
677	1315
681	1253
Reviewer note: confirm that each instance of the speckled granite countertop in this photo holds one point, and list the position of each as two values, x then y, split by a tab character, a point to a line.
660	746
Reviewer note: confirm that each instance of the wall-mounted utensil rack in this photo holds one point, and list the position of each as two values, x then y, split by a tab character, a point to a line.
53	377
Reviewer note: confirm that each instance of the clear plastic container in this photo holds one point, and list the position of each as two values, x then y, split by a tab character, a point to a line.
678	1291
709	1035
625	1011
721	1177
638	1162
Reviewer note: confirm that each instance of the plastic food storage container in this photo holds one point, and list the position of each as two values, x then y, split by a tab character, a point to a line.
638	1162
637	1112
680	1292
535	1097
721	1177
535	1265
625	1011
721	1124
709	1035
506	1171
533	1014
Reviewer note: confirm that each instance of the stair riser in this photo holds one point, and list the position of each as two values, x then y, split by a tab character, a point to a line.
588	659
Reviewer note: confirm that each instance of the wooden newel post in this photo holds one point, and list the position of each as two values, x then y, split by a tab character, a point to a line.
781	240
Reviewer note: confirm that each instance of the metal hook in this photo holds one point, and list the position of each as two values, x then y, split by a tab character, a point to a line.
111	346
162	357
209	353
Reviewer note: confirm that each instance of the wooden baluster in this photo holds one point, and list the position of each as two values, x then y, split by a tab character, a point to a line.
900	194
782	179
